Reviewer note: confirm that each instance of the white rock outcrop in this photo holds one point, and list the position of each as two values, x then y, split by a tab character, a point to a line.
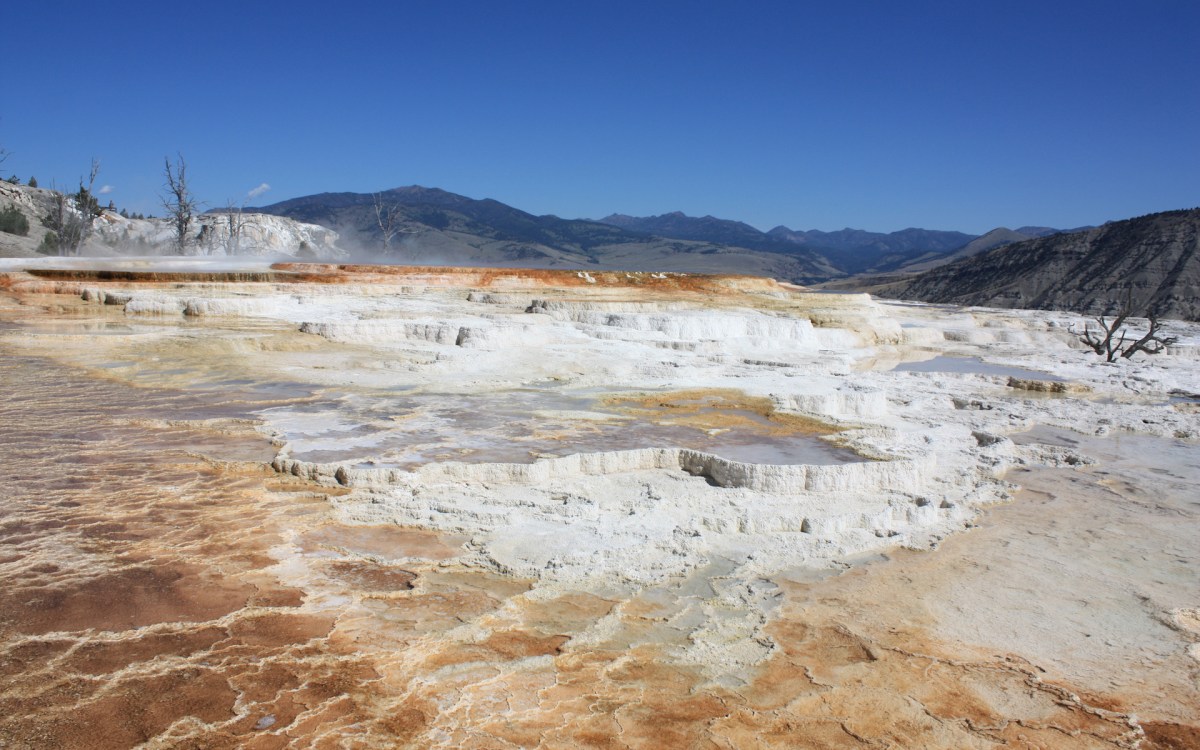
257	235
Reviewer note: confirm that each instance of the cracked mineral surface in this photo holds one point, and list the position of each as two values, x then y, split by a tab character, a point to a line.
349	506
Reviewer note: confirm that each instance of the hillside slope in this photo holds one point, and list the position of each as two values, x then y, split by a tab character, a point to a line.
114	234
1154	259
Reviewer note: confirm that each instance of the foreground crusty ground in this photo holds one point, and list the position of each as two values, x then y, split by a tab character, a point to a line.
164	587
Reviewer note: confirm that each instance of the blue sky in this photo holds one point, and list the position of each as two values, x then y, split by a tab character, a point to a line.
875	115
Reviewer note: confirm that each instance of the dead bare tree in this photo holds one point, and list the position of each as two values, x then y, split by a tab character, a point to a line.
92	174
235	221
179	202
1110	340
388	218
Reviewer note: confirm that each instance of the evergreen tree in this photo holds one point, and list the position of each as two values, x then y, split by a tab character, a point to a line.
14	222
49	244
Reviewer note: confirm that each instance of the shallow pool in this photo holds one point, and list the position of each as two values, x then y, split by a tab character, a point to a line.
972	366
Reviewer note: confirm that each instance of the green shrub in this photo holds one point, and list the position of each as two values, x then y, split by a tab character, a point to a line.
14	222
32	182
49	244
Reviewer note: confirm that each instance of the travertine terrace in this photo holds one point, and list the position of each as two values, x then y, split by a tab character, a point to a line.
359	506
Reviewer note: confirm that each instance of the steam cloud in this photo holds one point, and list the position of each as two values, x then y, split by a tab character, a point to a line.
264	187
105	190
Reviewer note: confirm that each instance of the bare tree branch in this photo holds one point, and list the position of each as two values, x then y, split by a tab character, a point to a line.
235	222
179	202
1102	341
1152	342
390	220
92	175
387	217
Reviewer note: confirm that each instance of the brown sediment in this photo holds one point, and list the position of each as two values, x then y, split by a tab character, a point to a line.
125	598
717	409
503	278
386	541
1047	386
161	277
368	576
499	647
1169	736
138	591
101	656
448	276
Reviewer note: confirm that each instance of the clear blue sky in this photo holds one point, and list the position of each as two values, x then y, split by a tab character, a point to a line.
876	115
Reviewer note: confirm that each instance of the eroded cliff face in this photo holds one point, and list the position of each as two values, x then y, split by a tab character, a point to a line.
1154	260
319	506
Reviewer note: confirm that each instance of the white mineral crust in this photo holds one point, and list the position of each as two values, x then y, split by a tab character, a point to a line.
933	445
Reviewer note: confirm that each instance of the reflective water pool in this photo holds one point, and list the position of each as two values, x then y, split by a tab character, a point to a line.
972	366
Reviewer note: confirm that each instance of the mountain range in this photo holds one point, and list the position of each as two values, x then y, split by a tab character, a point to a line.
436	226
849	251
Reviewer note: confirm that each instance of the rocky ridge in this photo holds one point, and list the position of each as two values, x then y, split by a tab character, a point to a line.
1152	261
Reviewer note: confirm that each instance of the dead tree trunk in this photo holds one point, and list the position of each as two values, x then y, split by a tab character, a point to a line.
235	222
179	202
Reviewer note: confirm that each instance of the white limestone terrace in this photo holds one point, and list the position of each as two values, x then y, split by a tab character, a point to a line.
161	263
389	361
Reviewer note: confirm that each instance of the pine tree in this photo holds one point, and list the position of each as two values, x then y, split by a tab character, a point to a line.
14	222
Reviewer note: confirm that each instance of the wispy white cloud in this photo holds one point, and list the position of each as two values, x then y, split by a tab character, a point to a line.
258	190
105	190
